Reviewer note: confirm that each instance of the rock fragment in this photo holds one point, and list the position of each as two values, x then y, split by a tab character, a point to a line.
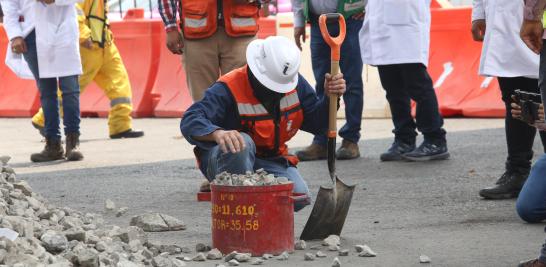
199	257
267	256
200	247
156	222
88	258
233	262
336	262
243	257
121	211
214	254
109	205
343	252
257	261
332	241
309	257
283	257
321	254
366	252
424	259
54	242
300	245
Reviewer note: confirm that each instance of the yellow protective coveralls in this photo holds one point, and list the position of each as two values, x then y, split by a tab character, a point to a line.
102	64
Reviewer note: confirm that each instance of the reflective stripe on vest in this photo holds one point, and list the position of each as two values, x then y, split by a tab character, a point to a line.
97	21
195	23
243	22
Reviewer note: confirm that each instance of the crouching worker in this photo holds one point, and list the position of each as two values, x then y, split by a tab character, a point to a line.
246	117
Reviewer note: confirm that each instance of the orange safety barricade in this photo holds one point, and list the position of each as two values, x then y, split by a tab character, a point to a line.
138	44
18	97
453	66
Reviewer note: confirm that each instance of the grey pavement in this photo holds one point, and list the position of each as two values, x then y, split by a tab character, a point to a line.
401	210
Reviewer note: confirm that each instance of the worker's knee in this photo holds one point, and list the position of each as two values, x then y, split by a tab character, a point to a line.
530	212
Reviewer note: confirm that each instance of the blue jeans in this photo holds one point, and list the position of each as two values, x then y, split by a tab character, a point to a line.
351	67
531	203
70	89
246	160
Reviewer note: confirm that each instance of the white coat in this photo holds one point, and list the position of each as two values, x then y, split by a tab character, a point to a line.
504	54
57	34
395	32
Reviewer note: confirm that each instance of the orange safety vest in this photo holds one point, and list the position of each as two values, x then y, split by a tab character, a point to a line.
199	18
269	135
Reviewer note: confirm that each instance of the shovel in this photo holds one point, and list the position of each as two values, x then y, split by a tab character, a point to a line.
332	203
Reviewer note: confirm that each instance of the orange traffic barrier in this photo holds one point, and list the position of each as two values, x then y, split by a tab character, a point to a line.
18	98
454	63
138	44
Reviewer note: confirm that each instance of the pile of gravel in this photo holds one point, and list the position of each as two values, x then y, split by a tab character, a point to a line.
259	178
54	236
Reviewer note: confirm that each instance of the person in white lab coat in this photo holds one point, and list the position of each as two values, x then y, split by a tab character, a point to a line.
496	23
46	33
395	37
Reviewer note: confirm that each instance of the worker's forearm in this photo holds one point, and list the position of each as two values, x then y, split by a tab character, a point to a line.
534	9
206	138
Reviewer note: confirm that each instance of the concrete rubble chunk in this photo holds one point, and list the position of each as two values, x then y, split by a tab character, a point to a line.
300	245
424	259
170	249
24	187
109	205
88	258
178	263
367	252
331	241
214	254
321	254
333	248
199	257
161	261
243	257
233	262
77	235
121	211
336	262
200	247
343	252
230	256
54	242
259	178
309	257
267	256
156	222
283	257
257	261
4	159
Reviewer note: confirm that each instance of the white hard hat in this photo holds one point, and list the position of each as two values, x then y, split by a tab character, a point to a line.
275	62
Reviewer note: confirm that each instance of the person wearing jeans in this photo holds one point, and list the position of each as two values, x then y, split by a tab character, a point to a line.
350	65
45	33
531	203
245	119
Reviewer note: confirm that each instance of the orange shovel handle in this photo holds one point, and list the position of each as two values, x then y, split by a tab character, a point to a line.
333	42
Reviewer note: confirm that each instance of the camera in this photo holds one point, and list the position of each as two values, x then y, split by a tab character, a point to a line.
529	103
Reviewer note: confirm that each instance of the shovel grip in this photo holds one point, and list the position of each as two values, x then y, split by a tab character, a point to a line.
333	42
332	111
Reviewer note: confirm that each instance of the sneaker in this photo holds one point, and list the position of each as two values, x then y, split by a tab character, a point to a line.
397	149
428	151
348	150
508	186
312	152
532	263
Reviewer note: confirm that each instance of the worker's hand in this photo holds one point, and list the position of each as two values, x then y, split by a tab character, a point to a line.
541	112
299	35
229	141
359	16
531	34
334	85
18	45
175	42
516	110
478	30
88	43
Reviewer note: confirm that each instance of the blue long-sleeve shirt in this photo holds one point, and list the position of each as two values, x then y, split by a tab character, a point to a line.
218	110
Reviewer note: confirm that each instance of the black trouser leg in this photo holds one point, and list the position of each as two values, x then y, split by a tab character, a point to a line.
400	103
519	135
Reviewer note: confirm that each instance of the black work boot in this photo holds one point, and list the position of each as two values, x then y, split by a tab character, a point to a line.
508	186
128	134
428	151
532	263
397	149
73	147
53	151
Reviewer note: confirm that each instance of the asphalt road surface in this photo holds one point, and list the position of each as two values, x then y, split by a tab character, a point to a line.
400	209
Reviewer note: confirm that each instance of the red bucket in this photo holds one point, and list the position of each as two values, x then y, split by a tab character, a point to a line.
253	219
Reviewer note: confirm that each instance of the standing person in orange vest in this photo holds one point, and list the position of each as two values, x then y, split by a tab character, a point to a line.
214	37
245	119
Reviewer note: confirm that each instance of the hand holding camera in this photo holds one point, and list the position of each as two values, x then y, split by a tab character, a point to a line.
528	107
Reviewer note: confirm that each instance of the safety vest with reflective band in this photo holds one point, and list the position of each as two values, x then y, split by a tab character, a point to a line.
199	18
269	133
345	7
93	12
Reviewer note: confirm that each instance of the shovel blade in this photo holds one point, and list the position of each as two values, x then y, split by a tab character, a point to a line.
329	212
